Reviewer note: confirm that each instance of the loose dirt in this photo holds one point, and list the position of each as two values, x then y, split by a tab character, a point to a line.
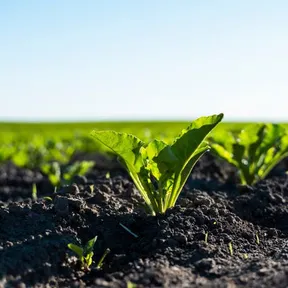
220	234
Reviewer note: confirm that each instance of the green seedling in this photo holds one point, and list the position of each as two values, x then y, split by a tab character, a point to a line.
245	256
254	151
257	239
91	188
107	175
85	254
230	248
20	158
100	263
160	170
34	192
53	171
131	285
58	177
78	168
206	237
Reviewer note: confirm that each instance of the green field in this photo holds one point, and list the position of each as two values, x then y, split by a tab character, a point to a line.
29	144
26	132
144	130
84	128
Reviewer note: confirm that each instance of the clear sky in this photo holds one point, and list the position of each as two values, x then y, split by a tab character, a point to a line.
152	59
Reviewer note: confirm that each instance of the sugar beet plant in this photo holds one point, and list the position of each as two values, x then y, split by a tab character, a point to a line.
58	177
85	253
254	151
159	170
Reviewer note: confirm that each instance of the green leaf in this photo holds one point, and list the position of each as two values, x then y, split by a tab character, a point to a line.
89	246
76	249
185	151
53	171
223	153
182	176
152	150
21	158
89	259
34	192
125	145
128	148
77	168
131	285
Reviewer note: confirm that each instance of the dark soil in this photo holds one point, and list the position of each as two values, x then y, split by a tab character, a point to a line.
169	251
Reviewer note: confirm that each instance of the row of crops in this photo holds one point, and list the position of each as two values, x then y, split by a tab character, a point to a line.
30	145
254	150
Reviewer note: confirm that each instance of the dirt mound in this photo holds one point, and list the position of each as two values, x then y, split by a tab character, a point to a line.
219	234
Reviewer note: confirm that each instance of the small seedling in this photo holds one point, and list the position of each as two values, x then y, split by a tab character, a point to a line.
160	170
100	263
92	188
85	254
206	237
230	248
107	175
245	256
257	238
254	151
34	192
53	171
131	285
77	168
58	176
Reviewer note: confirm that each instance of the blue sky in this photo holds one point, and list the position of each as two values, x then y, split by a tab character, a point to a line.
152	59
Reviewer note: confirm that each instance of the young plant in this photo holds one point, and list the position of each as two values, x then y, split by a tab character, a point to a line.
100	262
78	168
206	237
107	175
85	254
254	151
257	238
159	170
57	176
53	171
131	285
34	192
230	248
